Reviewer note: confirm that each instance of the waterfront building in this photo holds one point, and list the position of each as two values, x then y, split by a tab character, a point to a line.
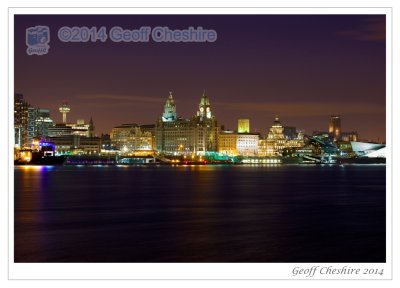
277	141
129	138
76	144
238	144
43	122
178	136
334	127
79	128
247	144
243	126
370	150
32	115
105	143
20	121
59	130
227	143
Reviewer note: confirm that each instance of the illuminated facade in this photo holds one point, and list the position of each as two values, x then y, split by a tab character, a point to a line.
276	140
20	121
75	144
247	144
334	127
243	126
227	143
129	138
169	114
238	144
43	122
178	136
369	150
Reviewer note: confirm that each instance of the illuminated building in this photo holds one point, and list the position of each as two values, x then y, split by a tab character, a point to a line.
350	136
105	143
169	114
79	128
243	126
247	144
238	144
179	136
75	144
59	130
43	122
276	141
32	115
20	121
129	138
64	109
334	128
227	143
370	150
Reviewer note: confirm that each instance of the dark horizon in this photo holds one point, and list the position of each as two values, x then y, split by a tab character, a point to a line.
303	68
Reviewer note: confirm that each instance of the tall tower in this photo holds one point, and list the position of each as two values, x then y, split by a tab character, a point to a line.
91	128
204	107
169	110
64	109
243	126
335	127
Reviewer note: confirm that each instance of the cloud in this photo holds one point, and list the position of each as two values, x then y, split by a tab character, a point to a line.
107	99
304	109
370	29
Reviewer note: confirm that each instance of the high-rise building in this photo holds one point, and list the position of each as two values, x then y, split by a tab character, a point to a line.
32	115
334	127
243	126
43	122
20	120
179	136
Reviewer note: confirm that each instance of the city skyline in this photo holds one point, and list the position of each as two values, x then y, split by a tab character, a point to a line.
257	73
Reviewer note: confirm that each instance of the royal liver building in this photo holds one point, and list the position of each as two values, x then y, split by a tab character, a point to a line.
179	136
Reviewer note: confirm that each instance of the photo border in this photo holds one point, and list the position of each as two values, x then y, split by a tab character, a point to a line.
194	271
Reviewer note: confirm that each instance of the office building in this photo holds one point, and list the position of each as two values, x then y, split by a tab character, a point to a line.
20	121
178	136
130	138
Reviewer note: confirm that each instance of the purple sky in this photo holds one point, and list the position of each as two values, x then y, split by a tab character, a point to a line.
301	67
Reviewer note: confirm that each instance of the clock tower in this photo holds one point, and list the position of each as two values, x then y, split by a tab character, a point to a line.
204	111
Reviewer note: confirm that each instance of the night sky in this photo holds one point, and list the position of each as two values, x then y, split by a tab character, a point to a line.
301	67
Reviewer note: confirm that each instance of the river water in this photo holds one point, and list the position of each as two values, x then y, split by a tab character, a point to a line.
283	213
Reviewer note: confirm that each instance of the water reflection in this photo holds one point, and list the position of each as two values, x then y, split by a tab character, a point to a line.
200	214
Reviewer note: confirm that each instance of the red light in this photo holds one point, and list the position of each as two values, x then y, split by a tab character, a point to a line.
204	162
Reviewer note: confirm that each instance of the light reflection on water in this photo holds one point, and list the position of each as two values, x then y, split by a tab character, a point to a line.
204	213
